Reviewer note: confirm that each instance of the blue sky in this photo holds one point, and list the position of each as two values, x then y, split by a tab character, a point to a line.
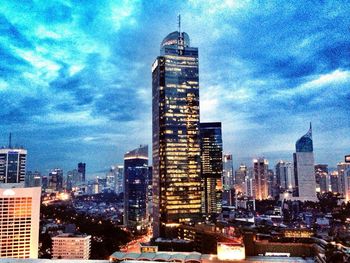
75	76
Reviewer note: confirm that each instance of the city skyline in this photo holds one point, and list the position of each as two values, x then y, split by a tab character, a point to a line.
75	79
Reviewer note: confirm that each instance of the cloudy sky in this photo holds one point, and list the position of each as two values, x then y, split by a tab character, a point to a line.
75	76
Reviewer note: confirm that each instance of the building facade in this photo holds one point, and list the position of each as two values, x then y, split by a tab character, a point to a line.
56	179
176	134
135	194
321	177
304	171
240	179
71	246
227	173
285	176
82	171
12	165
341	168
261	178
211	172
19	221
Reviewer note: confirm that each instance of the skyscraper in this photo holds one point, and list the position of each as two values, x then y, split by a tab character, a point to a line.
12	165
135	194
56	179
342	167
321	177
19	221
304	171
82	171
240	179
347	179
211	157
284	175
260	174
227	173
176	142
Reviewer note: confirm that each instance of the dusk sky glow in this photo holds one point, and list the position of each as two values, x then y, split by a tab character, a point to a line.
75	76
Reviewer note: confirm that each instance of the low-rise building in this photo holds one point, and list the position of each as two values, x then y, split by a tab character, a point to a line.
71	246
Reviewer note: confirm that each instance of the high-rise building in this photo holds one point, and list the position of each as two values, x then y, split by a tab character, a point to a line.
176	142
19	221
342	167
227	172
135	194
56	179
334	181
260	174
82	171
211	159
33	179
304	170
240	179
321	177
285	176
71	246
12	165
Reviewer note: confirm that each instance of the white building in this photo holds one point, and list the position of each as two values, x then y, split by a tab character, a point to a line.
304	167
71	246
19	221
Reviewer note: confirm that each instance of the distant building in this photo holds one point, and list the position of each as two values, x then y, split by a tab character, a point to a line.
74	178
82	171
285	175
135	194
19	221
71	246
33	179
211	172
347	179
342	167
56	179
304	170
240	179
12	165
260	174
227	172
334	181
321	176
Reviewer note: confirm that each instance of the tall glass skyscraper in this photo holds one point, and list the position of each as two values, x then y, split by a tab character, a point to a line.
211	156
304	171
135	194
176	142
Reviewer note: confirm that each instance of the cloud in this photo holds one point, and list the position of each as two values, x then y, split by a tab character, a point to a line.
76	82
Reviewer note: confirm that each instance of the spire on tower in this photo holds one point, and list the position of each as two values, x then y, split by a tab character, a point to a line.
10	140
179	23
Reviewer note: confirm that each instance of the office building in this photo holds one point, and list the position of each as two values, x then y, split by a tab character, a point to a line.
19	221
227	172
176	138
33	179
135	194
71	246
285	176
240	179
82	171
260	175
341	168
211	159
347	179
304	170
334	181
56	180
321	177
12	165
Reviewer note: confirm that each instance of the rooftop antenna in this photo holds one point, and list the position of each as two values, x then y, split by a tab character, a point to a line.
10	140
179	23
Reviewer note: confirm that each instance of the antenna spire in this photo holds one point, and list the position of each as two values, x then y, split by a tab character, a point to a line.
10	140
179	23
